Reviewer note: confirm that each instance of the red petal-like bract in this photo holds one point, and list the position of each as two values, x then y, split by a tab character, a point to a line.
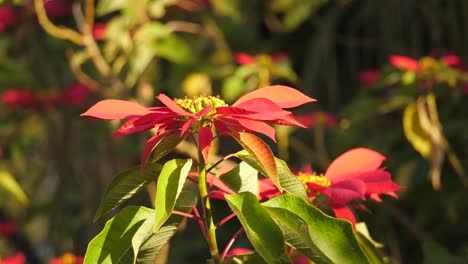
244	58
283	96
345	191
205	136
115	109
344	212
357	160
405	63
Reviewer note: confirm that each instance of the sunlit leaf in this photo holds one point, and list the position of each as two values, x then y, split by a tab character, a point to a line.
287	179
125	185
261	230
242	178
9	184
169	186
415	133
321	238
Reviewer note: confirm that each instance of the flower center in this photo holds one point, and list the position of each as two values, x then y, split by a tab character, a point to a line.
198	103
313	178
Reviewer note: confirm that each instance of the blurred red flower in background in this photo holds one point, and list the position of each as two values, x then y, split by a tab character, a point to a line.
76	94
57	8
7	228
99	31
244	58
18	258
404	63
19	98
369	77
67	258
318	118
8	17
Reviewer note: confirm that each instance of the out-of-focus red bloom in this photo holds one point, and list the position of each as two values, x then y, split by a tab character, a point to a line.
454	61
99	31
7	228
18	258
369	77
354	174
244	58
17	98
8	17
319	118
67	258
250	113
76	94
405	63
57	8
465	88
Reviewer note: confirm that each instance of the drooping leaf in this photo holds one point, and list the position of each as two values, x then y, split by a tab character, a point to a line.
9	184
415	133
125	185
287	179
242	178
261	154
321	238
169	186
260	228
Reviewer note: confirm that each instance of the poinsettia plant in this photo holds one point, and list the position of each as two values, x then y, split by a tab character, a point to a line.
277	212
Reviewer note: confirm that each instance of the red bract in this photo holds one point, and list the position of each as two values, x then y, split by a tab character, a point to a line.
244	58
266	188
8	17
369	77
17	98
76	95
405	63
251	113
18	258
355	174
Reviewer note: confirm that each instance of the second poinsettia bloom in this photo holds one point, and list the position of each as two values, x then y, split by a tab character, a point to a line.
356	174
405	63
251	113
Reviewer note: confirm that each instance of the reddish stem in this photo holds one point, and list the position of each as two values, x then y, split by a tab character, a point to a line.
221	160
200	222
231	242
224	220
186	215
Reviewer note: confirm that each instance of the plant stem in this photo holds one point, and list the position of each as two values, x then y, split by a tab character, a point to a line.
209	223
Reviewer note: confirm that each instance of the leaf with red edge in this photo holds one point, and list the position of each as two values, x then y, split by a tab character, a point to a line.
260	151
115	109
283	96
354	161
205	136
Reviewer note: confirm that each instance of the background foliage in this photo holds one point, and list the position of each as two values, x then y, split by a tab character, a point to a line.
58	60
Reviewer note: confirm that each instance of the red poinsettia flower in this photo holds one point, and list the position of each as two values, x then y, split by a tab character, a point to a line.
405	63
244	58
18	258
250	113
369	77
67	258
17	98
8	17
356	174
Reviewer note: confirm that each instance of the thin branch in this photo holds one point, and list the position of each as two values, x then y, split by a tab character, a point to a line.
60	32
231	242
224	220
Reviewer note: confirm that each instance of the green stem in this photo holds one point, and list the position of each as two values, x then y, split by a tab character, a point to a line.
209	223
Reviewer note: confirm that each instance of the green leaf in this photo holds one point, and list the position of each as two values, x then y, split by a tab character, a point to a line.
321	238
233	87
9	184
105	7
125	185
170	183
228	8
242	178
261	230
262	155
300	12
287	179
415	133
128	236
371	251
174	48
